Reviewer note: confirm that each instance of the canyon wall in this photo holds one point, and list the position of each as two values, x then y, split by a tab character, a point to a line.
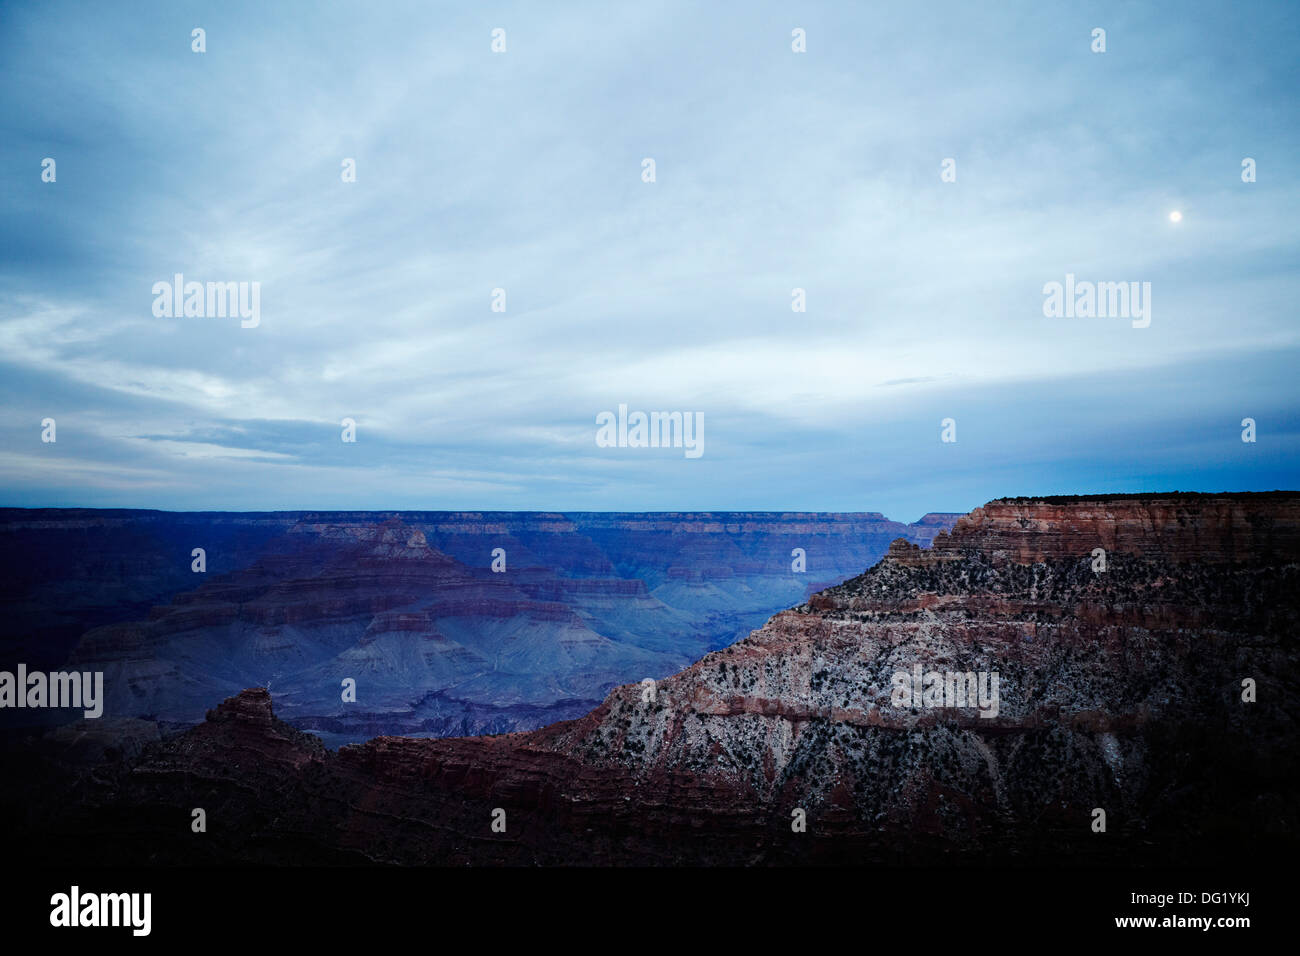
1177	527
409	605
1160	690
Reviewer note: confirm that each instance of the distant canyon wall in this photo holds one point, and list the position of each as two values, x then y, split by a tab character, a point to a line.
448	622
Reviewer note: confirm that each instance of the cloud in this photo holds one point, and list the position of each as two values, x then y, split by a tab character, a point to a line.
521	171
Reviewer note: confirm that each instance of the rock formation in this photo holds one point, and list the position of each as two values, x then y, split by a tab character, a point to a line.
1119	690
406	605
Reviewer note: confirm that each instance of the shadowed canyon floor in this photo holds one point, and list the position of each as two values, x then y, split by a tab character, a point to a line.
1120	689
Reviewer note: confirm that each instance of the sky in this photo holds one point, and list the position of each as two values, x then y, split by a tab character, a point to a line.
523	170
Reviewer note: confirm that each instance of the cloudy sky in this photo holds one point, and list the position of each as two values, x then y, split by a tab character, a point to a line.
522	170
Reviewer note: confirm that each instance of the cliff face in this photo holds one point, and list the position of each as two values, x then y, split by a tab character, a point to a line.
1118	689
1176	528
408	606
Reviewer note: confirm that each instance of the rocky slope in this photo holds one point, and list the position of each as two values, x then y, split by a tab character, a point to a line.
1119	689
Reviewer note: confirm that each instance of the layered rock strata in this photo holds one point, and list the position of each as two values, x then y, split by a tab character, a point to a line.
1118	690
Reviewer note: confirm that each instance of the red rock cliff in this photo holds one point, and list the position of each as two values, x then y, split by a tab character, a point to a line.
1178	528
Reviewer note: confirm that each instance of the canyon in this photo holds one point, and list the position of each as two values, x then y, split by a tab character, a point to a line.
406	605
1160	692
